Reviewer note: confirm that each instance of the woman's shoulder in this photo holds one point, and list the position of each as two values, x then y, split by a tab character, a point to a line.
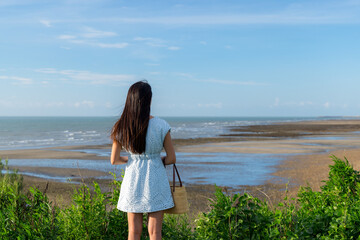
160	122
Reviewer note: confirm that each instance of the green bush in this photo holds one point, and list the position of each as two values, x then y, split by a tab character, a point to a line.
22	216
177	227
332	213
237	217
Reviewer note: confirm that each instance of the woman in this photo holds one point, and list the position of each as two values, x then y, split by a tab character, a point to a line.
145	187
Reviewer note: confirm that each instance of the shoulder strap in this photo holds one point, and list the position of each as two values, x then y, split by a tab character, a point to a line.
177	172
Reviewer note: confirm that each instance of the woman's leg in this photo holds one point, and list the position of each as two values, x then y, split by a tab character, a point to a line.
135	222
155	224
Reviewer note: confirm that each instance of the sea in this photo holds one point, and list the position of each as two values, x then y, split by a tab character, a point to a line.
40	132
222	169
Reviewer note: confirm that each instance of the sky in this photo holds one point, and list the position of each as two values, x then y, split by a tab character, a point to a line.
201	57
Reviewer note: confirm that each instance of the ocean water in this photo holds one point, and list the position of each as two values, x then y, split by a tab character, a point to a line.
39	132
223	169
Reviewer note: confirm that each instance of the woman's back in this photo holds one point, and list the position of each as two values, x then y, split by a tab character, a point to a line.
145	187
156	132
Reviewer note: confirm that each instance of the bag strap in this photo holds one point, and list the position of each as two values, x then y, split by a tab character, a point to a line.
177	172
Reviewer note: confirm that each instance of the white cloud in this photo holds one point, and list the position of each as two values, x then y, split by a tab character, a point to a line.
98	44
226	82
148	39
288	13
153	42
85	103
46	23
111	45
54	104
108	105
78	41
67	37
18	80
87	38
187	75
304	103
283	18
277	101
156	42
93	33
89	77
299	104
173	48
327	105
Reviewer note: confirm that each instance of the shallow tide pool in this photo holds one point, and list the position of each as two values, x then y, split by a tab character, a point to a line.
222	169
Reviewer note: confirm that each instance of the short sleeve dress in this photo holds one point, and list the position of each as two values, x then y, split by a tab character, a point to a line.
145	186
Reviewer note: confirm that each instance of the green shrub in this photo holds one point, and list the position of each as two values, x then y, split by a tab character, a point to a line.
23	216
92	214
237	217
332	213
177	227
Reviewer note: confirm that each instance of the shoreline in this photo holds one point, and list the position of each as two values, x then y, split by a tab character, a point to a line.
306	147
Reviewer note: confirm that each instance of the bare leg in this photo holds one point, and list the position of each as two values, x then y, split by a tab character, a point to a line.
135	221
155	225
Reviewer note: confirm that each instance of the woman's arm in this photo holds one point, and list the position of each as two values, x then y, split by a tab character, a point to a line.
115	154
170	157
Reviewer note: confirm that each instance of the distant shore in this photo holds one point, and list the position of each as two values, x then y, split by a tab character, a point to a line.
307	144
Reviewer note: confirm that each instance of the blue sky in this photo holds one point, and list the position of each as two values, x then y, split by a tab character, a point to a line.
202	57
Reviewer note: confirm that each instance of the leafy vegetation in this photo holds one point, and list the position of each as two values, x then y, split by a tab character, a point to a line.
332	213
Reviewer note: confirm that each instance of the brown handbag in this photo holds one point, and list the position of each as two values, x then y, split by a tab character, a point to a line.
179	196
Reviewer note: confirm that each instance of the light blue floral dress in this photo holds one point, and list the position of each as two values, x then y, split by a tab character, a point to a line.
145	187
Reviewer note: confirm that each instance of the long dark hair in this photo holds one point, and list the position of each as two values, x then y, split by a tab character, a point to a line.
130	130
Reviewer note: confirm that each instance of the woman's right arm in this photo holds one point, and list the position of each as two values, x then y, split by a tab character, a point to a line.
115	154
170	157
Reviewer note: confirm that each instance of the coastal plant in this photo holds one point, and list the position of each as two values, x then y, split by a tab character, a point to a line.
92	214
24	216
342	178
11	201
236	217
286	218
86	216
40	215
117	227
331	213
177	227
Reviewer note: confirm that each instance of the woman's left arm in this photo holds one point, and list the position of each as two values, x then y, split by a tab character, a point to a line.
115	154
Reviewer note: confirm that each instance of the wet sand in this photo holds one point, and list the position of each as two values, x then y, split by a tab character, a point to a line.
309	144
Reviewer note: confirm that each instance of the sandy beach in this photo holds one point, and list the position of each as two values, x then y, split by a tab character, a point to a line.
307	147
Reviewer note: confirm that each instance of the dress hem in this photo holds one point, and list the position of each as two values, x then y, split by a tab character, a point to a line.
149	211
